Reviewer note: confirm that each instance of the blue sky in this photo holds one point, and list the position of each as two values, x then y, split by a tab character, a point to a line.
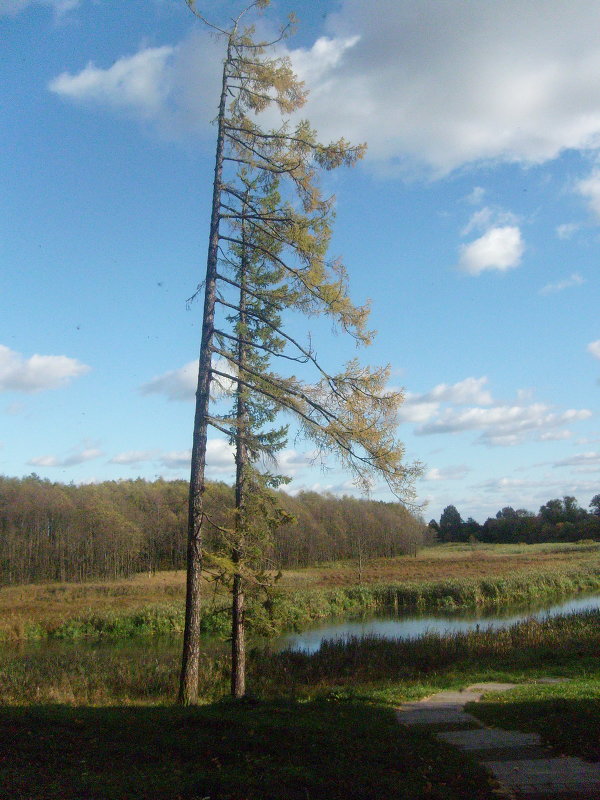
473	224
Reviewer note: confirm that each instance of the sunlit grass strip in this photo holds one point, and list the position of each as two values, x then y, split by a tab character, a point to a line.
138	672
298	610
565	714
563	644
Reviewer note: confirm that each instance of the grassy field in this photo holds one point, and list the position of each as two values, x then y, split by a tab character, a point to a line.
98	722
94	718
446	577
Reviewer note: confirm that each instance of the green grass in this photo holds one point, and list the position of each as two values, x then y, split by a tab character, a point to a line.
86	703
97	721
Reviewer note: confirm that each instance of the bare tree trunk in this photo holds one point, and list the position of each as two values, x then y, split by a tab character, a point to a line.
188	685
238	640
238	632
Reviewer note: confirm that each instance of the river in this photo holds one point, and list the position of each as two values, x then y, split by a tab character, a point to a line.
391	626
405	626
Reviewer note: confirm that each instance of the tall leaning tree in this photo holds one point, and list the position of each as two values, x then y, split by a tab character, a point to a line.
269	235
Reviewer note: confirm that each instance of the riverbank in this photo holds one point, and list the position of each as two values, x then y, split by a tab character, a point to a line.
447	578
98	721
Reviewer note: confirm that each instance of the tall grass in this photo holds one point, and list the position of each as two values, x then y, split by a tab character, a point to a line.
564	645
299	609
146	673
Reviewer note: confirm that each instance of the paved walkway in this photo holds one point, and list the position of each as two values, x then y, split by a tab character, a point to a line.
518	761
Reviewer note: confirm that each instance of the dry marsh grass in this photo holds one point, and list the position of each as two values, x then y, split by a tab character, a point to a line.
35	609
449	562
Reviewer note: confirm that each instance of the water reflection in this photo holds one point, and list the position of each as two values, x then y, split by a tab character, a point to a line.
388	625
405	627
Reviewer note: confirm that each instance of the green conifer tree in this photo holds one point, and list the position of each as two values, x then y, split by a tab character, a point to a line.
269	237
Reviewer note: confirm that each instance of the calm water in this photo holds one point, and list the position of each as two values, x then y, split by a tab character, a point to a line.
400	626
405	626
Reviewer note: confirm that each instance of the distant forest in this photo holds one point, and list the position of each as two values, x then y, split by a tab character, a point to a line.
558	520
57	532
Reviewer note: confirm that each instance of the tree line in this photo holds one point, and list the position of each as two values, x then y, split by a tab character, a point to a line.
65	532
558	520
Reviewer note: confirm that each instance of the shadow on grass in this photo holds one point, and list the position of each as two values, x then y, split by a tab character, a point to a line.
227	751
571	726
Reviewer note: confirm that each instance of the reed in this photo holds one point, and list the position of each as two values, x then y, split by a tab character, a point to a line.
295	610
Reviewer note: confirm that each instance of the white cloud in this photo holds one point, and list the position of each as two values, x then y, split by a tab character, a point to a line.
522	85
176	459
139	82
422	407
37	373
413	410
503	425
177	384
180	384
591	459
314	65
469	390
44	461
573	280
134	457
88	454
219	458
498	248
219	455
290	462
590	189
500	484
454	473
594	348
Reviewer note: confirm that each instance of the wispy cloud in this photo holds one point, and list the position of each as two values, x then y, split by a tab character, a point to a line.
13	7
453	473
591	459
80	457
503	425
589	188
135	457
594	348
181	383
177	384
573	280
567	230
219	458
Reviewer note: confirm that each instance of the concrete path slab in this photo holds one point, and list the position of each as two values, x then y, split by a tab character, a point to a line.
491	686
437	716
547	776
488	738
518	760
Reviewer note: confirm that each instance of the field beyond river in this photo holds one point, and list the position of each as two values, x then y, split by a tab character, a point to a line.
88	681
447	577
